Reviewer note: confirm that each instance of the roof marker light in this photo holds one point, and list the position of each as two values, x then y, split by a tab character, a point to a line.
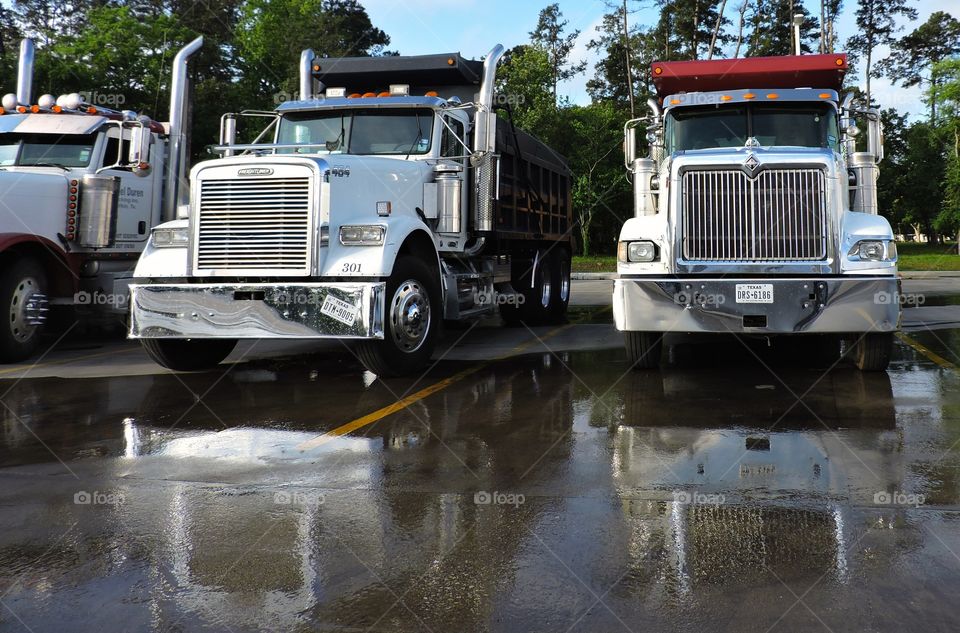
773	95
22	109
431	93
384	94
749	95
35	108
367	95
450	61
674	101
658	71
355	95
824	95
726	98
839	61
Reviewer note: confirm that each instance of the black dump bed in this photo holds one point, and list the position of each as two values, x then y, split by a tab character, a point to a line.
448	74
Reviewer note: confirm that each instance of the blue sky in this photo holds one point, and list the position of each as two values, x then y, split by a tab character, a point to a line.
472	27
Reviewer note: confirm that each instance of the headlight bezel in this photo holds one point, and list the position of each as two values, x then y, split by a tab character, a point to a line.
873	250
362	234
627	252
170	237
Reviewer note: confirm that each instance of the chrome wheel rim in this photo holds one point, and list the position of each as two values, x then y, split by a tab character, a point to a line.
564	280
546	286
27	309
410	316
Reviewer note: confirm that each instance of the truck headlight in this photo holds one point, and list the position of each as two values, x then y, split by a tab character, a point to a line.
874	250
643	251
171	238
362	235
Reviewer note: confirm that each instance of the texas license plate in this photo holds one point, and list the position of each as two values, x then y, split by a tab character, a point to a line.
339	310
754	293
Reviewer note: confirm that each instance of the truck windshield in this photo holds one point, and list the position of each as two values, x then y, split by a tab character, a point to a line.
47	149
771	124
359	131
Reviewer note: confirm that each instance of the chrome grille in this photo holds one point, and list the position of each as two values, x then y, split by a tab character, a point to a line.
253	224
779	215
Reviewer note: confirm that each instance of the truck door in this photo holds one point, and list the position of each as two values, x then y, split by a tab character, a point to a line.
452	147
136	193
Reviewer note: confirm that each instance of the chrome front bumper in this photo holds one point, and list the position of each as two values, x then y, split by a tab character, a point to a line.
275	310
814	305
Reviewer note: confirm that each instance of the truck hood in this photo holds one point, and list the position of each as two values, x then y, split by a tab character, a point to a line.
33	202
733	156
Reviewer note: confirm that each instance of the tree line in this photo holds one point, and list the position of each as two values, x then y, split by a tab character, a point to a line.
119	53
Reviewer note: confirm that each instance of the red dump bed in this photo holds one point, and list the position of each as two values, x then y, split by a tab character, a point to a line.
794	71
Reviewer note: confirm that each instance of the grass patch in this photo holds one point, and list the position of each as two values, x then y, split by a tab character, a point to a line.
913	256
594	264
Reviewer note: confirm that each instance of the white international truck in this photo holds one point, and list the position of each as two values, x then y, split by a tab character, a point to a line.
755	213
387	199
81	187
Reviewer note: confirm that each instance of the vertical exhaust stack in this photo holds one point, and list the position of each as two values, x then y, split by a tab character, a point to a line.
25	73
797	23
485	144
306	73
177	191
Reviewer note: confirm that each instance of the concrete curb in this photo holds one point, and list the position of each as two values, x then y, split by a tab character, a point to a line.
592	276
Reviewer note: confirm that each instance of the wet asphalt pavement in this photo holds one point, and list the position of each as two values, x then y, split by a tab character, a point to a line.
738	488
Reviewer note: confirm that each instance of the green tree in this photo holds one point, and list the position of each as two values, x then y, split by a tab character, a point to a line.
550	36
946	91
923	179
272	33
771	28
877	22
914	55
692	24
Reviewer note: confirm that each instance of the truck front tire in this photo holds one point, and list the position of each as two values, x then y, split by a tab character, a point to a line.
22	293
644	349
188	354
871	352
410	330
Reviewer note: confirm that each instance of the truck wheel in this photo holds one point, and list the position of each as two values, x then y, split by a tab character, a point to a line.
412	314
537	294
23	294
560	270
644	349
188	354
872	352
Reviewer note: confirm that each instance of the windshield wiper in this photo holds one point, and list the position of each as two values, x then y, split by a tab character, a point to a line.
63	167
416	141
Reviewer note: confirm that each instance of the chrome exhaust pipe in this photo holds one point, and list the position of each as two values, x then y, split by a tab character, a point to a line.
25	73
306	73
484	139
177	188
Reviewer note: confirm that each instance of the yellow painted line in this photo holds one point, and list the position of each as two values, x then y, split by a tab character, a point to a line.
403	403
926	351
63	361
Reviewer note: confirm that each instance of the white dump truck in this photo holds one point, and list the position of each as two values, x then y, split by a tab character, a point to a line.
81	187
755	213
386	200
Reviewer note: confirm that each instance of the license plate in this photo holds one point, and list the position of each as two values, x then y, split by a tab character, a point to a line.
339	310
754	293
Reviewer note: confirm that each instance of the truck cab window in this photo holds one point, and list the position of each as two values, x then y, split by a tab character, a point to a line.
398	131
46	149
110	153
786	125
449	145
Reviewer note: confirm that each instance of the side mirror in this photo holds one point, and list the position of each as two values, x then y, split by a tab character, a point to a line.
629	146
228	131
139	155
875	135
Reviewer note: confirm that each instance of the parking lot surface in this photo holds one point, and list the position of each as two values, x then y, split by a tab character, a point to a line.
530	481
